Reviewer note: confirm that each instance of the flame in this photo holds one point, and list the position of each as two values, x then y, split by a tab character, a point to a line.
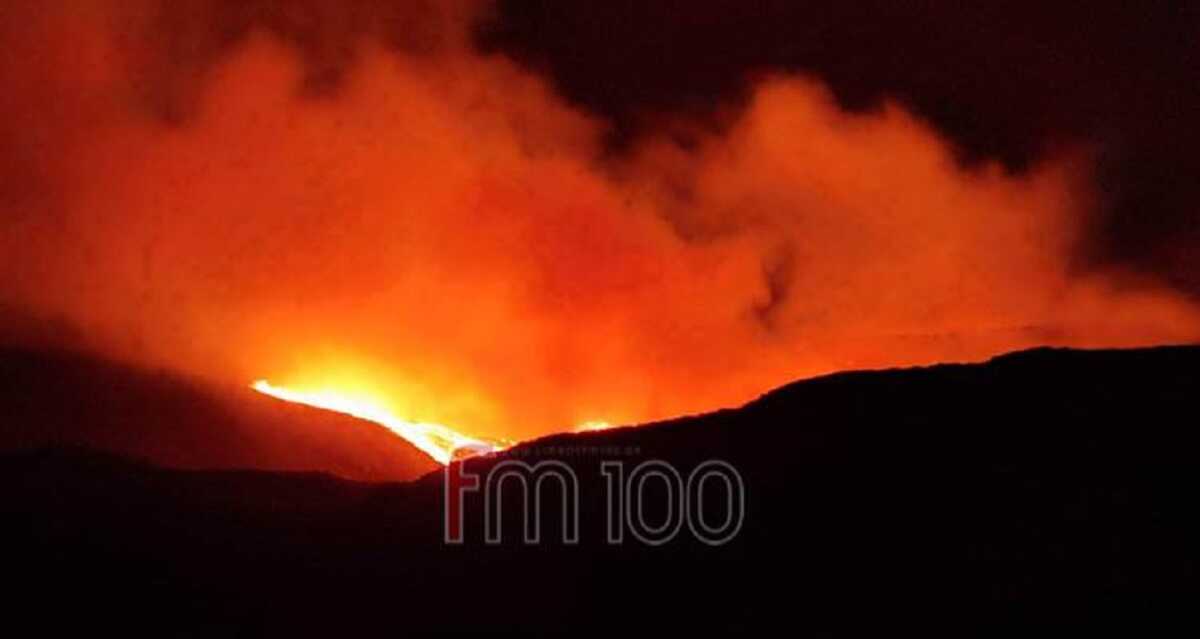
439	442
592	426
213	215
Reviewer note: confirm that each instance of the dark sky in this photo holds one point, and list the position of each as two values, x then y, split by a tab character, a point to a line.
1006	80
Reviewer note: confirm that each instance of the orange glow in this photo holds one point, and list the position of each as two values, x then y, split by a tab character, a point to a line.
465	241
435	440
592	426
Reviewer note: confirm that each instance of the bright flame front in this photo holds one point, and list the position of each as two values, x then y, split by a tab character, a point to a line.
593	426
435	440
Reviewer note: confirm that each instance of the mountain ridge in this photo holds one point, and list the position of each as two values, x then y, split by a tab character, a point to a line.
69	398
1050	488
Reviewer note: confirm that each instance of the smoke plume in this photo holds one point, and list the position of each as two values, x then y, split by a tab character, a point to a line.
361	199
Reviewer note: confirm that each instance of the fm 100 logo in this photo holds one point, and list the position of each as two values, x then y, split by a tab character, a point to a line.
629	513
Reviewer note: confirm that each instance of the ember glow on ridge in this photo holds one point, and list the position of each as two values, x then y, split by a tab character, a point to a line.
438	441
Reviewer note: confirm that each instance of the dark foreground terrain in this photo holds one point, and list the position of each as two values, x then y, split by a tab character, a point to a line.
1047	486
59	398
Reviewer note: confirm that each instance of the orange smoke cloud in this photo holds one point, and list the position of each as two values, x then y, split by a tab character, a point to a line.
443	230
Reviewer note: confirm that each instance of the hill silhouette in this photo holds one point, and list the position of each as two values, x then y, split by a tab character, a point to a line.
54	398
1047	486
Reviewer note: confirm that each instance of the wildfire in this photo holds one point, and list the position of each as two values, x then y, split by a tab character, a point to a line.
592	426
439	442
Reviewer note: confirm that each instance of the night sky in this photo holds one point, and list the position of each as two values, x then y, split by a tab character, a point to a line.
1004	80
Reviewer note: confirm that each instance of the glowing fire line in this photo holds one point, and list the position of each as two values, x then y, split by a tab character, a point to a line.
435	440
593	426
